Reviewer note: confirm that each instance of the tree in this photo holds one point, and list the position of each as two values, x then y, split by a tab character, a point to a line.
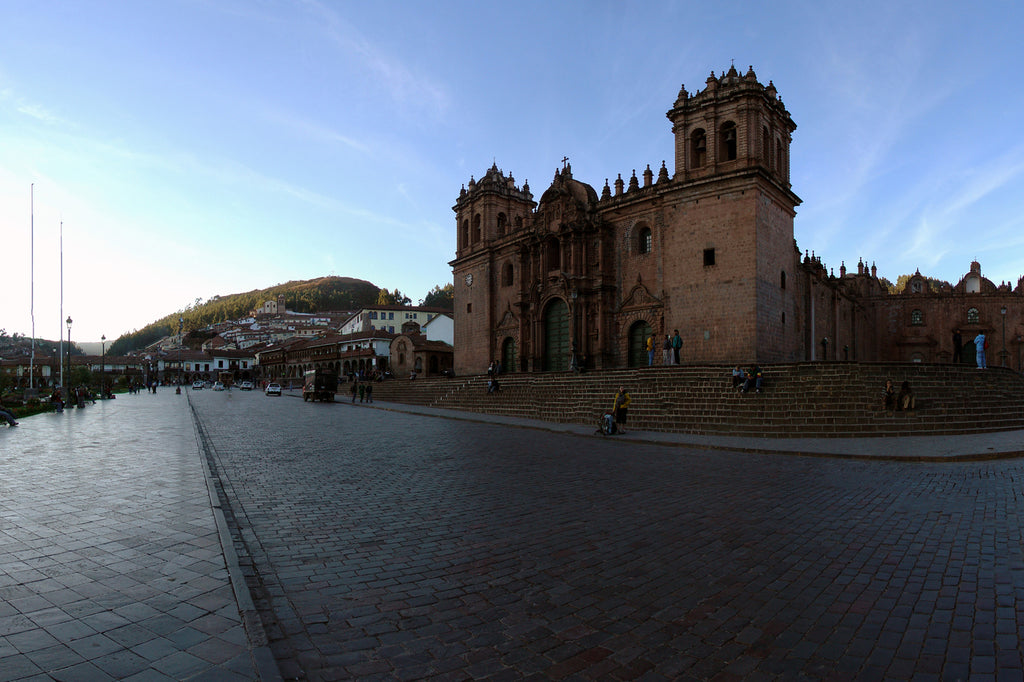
395	297
440	297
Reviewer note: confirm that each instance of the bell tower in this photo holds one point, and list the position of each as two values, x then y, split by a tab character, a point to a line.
490	215
735	122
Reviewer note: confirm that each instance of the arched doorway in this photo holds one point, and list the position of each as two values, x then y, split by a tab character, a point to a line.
638	333
556	336
508	355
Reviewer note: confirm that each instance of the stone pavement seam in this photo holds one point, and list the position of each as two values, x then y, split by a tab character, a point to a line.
266	665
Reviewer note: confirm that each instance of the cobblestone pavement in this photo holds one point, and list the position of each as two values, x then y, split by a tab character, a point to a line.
397	546
111	565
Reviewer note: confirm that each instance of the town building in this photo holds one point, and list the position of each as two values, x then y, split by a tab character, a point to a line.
389	318
579	279
414	353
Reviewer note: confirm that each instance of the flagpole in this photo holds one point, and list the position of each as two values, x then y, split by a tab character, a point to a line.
61	321
32	285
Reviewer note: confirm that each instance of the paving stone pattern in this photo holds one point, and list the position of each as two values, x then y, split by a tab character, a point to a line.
111	566
396	546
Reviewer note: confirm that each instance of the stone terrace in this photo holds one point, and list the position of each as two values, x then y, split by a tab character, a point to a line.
838	399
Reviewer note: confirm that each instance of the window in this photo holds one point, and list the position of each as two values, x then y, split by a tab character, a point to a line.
506	275
727	142
373	314
645	240
220	364
391	316
469	307
782	280
698	148
766	146
916	317
502	224
464	235
391	329
972	316
476	228
709	257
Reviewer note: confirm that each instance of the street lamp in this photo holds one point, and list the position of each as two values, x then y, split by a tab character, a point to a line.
103	366
67	388
1002	311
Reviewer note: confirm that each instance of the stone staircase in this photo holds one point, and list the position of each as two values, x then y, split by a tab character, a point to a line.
834	399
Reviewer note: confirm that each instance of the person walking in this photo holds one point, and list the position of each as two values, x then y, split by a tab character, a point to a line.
620	408
369	392
980	344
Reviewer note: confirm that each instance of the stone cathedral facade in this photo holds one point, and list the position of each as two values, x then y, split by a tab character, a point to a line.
582	279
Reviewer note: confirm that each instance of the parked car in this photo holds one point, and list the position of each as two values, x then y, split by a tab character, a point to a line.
218	386
197	385
245	386
273	389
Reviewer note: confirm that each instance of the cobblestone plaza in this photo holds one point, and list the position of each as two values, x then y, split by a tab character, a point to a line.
379	544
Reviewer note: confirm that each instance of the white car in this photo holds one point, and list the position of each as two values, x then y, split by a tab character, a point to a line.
197	385
217	386
273	389
245	386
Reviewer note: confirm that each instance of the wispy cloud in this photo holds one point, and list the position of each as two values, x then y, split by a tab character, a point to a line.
402	83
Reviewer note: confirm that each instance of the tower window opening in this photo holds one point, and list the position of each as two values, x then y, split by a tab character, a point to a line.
699	148
645	240
709	257
727	142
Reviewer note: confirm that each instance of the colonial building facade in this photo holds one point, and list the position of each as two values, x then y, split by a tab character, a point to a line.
581	279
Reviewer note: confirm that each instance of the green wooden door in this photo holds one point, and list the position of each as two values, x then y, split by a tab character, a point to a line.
556	337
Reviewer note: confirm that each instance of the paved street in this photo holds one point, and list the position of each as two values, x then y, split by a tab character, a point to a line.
389	545
111	566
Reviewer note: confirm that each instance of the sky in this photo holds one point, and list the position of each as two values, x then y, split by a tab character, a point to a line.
177	150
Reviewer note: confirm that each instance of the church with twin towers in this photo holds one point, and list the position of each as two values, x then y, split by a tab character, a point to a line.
705	248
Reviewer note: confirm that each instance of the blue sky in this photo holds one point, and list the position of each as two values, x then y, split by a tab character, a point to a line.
200	148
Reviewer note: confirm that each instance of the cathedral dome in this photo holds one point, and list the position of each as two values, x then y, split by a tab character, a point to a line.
564	184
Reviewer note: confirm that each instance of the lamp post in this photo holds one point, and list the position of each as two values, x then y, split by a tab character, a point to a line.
1002	311
67	388
103	366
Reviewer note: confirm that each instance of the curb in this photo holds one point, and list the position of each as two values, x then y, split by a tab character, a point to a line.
263	657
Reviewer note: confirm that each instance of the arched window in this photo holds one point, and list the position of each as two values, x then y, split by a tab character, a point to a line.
502	224
782	279
506	275
972	316
519	222
916	317
464	235
644	240
727	142
476	228
698	148
766	147
778	156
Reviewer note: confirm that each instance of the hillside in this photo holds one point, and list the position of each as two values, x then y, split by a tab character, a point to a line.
304	296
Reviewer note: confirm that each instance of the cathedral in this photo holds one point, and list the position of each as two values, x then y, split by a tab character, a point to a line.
579	280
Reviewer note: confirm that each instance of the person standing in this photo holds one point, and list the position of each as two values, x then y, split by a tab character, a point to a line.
620	408
650	350
369	392
666	350
958	347
677	344
979	346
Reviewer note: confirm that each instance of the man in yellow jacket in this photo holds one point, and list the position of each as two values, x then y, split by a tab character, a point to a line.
620	408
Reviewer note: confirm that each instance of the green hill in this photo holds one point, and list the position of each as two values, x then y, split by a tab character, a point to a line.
306	296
